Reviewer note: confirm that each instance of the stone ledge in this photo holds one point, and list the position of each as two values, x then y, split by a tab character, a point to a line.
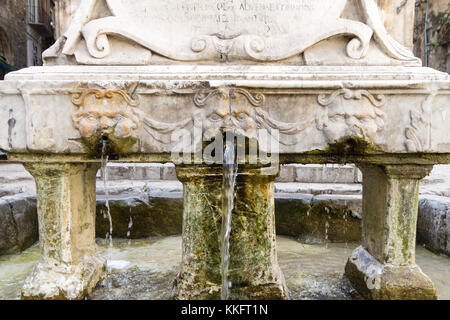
157	210
336	175
10	173
433	226
18	223
299	215
141	216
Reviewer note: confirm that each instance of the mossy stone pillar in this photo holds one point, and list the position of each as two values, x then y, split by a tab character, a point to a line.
254	272
384	266
200	267
69	266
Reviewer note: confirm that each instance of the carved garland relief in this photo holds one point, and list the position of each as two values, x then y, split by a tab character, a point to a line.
241	111
229	109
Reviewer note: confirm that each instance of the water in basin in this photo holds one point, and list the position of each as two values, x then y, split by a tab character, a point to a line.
311	271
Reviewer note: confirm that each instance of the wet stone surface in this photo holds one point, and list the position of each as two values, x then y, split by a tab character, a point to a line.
145	269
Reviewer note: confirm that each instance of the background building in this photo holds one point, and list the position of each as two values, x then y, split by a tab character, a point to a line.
26	30
432	33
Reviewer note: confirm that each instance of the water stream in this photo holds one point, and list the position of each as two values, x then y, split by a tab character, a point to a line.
230	169
104	168
130	223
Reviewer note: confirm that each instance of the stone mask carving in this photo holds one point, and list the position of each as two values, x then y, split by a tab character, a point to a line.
231	110
105	110
347	114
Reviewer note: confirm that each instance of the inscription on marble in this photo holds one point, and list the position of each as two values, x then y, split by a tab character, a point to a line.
261	17
226	30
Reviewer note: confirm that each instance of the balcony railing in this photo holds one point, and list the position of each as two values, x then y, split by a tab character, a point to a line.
40	19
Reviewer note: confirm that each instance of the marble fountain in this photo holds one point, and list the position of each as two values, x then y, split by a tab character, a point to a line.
285	81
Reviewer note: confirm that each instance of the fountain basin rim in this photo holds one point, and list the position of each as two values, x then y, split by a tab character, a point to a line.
287	158
226	73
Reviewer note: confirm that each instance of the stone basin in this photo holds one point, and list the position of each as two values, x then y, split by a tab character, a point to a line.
386	107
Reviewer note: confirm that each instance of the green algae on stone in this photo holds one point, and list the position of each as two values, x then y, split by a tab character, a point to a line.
254	271
104	142
69	267
349	146
384	266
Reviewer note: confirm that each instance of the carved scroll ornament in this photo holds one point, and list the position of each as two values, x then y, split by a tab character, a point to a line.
211	42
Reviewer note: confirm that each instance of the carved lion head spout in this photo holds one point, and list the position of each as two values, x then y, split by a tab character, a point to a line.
240	121
348	114
352	121
105	112
228	110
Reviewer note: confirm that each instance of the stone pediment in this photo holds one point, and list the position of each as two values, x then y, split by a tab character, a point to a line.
311	32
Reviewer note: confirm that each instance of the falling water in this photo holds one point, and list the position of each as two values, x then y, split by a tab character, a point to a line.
105	159
345	228
327	226
130	223
230	168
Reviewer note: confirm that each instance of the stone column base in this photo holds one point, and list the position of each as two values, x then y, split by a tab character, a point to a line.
188	290
267	291
387	282
184	290
75	283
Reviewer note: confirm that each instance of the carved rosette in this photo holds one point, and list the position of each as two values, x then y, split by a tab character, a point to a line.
106	110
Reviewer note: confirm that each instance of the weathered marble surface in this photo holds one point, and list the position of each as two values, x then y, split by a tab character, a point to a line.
384	266
309	81
398	17
254	270
157	31
396	109
69	267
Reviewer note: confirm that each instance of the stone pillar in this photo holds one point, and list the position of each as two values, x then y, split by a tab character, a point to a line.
69	267
384	266
254	271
